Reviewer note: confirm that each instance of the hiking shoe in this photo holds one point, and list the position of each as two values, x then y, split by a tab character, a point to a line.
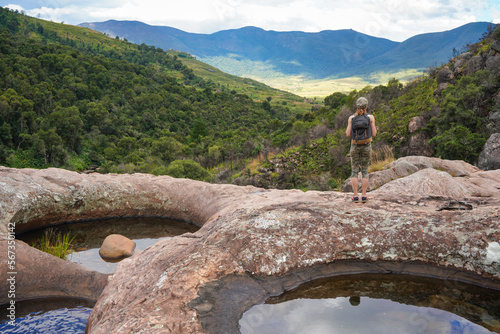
364	199
355	199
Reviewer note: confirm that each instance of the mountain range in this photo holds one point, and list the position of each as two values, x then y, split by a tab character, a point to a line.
327	54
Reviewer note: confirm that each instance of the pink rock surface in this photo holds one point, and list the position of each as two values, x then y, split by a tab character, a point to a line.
38	275
270	239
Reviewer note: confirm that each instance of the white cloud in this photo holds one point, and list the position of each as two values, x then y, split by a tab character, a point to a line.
15	7
393	19
495	14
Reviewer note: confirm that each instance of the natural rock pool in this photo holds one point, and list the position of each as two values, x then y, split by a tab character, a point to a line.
68	315
380	303
88	236
48	315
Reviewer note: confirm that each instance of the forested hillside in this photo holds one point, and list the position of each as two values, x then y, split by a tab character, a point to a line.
76	99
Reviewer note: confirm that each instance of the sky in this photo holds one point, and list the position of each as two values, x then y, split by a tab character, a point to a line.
396	20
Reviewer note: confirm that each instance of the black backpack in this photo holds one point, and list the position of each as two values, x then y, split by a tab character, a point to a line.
361	130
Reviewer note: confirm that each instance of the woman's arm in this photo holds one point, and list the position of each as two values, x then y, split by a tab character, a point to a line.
349	127
372	123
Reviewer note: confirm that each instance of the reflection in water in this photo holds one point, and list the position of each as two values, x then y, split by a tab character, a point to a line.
51	315
90	258
144	231
377	304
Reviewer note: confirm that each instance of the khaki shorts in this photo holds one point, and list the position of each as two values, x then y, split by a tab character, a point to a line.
360	159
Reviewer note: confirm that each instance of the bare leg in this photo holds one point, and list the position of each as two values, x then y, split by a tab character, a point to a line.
364	186
354	182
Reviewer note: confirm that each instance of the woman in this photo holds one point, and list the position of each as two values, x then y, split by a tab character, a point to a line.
361	128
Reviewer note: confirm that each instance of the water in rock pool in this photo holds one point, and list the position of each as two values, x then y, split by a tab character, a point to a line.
47	316
376	304
145	231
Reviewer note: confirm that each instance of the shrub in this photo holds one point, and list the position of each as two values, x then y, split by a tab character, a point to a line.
336	183
458	143
187	169
77	163
282	140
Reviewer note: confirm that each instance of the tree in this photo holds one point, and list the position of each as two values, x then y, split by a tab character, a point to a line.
48	145
335	100
126	145
199	131
187	169
282	140
167	148
214	154
96	114
458	143
299	132
308	116
266	105
68	125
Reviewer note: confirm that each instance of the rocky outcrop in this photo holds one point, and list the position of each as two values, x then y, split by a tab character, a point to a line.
431	182
442	86
254	243
116	246
468	63
418	144
495	46
481	56
490	156
493	121
475	64
395	174
444	75
492	63
416	124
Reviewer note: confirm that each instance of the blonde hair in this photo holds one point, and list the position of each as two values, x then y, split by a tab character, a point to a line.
361	111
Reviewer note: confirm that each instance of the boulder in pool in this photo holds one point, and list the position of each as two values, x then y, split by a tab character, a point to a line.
116	246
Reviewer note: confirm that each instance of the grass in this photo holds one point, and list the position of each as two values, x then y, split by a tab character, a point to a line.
380	158
324	87
56	244
336	183
254	165
315	88
258	84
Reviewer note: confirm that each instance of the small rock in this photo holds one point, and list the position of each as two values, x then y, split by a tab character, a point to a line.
204	308
442	86
489	159
474	64
493	64
496	46
116	246
416	123
444	75
418	145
